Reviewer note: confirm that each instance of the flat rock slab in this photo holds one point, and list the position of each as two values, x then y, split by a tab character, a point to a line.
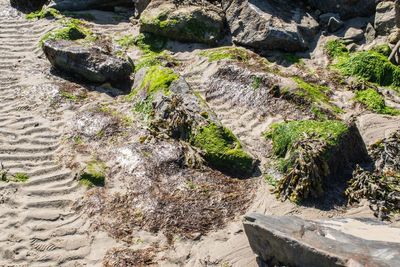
293	241
88	63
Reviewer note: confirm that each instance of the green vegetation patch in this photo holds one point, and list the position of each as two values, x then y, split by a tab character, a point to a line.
336	48
375	102
292	59
226	53
21	177
94	174
157	79
372	66
44	13
223	150
285	134
72	30
383	49
317	95
152	47
126	41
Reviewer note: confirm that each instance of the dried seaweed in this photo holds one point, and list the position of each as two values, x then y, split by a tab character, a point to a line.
383	192
308	169
381	186
125	257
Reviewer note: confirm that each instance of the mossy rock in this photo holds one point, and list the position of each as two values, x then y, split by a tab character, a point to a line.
223	150
374	101
284	135
72	30
372	66
186	23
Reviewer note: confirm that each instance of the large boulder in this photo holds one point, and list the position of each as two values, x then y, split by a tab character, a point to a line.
346	8
387	17
183	22
270	24
28	5
76	5
88	63
291	241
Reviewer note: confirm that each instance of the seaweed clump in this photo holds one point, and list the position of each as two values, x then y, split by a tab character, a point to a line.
304	149
94	174
380	186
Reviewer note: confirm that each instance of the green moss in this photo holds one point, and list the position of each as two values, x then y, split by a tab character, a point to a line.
383	49
375	102
126	41
256	82
292	58
72	30
44	13
157	79
284	135
94	174
150	43
226	53
21	177
371	66
317	95
336	48
223	149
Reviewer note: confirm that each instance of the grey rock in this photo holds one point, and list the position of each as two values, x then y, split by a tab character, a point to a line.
183	22
345	8
292	241
88	63
370	33
76	5
353	35
270	24
28	5
387	17
324	18
334	24
140	6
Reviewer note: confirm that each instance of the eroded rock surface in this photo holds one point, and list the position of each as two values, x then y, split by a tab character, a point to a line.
271	24
346	8
183	22
88	63
292	241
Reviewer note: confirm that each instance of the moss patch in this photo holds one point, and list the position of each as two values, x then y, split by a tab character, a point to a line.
372	66
72	30
126	41
336	48
223	150
383	49
157	79
375	102
44	13
21	177
284	135
317	95
226	53
94	174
